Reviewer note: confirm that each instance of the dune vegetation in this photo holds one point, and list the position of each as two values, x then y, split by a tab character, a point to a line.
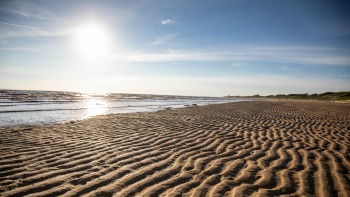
327	96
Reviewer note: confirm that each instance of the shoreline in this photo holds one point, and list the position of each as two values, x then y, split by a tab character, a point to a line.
249	148
44	113
24	126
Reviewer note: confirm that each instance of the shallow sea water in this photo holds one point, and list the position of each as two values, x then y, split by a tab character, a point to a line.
22	107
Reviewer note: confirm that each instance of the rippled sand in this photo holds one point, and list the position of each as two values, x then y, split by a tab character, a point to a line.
237	149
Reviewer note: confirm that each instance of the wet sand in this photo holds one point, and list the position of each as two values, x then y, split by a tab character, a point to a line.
258	148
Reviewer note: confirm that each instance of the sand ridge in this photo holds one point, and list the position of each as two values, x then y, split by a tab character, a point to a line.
255	148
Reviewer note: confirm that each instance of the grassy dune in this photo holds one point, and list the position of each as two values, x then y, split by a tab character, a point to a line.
327	96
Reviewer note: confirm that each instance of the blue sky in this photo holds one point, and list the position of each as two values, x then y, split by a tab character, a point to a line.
211	48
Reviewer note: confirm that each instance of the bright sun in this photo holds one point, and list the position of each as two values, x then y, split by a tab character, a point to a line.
92	41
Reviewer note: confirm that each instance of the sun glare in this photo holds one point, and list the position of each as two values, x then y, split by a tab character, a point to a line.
92	41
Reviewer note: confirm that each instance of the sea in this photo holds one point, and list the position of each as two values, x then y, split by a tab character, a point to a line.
25	107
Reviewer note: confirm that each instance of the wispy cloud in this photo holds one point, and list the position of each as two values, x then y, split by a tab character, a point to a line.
16	25
291	69
28	9
284	54
239	64
44	22
18	49
167	22
160	40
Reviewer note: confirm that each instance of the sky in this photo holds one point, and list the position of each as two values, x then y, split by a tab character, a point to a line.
182	47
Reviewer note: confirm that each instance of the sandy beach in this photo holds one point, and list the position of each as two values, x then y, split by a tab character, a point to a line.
258	148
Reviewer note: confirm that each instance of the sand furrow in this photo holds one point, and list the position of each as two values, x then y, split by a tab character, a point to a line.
204	187
156	179
194	154
341	182
194	146
109	177
162	188
243	190
305	176
271	155
286	183
323	181
37	187
295	163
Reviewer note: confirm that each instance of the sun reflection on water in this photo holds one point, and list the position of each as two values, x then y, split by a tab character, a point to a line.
95	107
